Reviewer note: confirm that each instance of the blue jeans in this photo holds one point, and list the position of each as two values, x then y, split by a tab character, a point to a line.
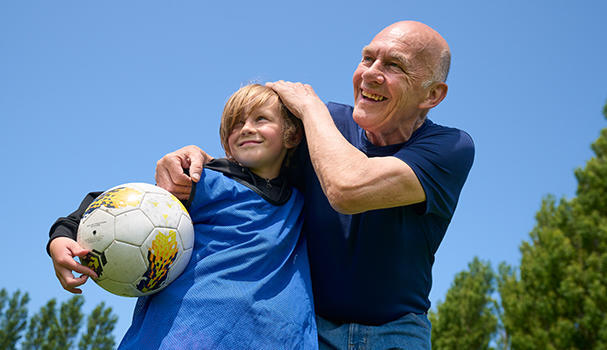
411	332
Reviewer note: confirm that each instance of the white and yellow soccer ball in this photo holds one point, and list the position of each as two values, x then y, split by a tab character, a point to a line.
140	236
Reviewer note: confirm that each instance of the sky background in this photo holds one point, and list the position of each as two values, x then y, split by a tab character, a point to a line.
92	94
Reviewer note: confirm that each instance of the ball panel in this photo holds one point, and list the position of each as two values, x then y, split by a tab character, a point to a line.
161	209
133	227
179	265
148	188
96	231
117	200
159	190
119	288
124	262
162	248
186	232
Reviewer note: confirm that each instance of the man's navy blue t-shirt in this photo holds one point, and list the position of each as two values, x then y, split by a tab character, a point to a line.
376	266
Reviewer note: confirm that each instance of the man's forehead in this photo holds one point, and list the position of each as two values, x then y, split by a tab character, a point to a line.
396	51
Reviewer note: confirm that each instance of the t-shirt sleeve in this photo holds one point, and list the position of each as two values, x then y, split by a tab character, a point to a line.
441	160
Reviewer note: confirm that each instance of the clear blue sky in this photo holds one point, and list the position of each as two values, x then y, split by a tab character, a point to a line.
92	94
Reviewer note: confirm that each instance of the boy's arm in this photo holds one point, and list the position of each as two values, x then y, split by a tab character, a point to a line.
68	226
63	248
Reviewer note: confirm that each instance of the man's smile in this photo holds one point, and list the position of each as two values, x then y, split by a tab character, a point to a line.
374	97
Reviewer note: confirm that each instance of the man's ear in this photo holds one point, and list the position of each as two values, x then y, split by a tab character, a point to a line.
294	139
436	93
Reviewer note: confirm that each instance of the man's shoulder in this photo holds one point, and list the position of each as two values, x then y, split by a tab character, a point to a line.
340	110
342	117
431	129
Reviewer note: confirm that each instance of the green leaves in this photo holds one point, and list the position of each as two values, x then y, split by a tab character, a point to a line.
466	320
559	300
557	297
54	329
13	320
98	335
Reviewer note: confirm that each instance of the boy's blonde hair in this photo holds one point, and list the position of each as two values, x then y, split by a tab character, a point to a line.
254	96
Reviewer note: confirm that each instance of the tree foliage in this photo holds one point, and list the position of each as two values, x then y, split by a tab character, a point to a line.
51	328
466	319
558	299
98	335
13	319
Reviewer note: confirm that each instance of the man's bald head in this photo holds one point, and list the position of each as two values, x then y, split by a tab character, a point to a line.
426	44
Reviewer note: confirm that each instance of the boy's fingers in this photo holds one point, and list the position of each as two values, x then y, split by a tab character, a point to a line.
68	282
85	270
66	266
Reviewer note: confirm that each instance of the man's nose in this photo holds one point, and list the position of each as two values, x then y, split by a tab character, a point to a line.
374	74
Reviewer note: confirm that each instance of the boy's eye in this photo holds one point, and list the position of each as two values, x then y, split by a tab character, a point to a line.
261	118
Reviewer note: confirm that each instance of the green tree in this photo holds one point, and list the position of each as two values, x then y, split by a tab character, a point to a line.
13	320
39	327
98	334
558	299
466	319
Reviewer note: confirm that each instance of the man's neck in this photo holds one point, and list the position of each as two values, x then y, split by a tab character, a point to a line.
396	135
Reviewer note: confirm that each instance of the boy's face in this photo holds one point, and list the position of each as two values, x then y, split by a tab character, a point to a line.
256	140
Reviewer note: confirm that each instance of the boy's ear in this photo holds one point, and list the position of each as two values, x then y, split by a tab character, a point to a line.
294	139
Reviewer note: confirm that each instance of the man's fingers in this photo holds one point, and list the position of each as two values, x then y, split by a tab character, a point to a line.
196	163
164	180
175	171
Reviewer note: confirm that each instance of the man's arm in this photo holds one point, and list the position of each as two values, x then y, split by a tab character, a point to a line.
171	174
352	182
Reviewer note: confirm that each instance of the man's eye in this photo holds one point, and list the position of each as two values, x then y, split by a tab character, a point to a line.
395	65
367	59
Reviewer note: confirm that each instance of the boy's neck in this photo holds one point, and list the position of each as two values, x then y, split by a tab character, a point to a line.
267	174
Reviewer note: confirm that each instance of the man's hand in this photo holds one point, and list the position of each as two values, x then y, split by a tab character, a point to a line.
63	250
170	173
299	98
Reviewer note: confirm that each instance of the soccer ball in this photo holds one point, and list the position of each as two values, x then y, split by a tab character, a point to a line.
140	239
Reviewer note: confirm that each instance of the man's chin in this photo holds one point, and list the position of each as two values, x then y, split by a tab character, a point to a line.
362	117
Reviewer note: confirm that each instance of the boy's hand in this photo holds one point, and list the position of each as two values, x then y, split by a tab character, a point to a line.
63	250
170	174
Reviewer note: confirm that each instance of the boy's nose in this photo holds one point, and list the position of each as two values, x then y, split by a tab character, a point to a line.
247	128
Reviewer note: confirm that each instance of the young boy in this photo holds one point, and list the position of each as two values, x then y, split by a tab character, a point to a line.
247	285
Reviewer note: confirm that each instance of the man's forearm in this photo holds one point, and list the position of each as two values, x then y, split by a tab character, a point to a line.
353	182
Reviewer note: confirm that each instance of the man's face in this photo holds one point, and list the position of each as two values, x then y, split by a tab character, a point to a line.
388	82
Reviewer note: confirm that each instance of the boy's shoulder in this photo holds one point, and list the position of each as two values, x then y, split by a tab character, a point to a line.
276	191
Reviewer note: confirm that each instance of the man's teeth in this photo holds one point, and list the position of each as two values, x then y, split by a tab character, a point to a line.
373	96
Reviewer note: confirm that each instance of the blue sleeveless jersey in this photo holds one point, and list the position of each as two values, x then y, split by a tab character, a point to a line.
247	285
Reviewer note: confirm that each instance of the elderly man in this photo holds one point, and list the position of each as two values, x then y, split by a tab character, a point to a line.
381	183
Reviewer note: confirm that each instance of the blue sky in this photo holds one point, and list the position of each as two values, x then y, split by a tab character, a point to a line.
92	94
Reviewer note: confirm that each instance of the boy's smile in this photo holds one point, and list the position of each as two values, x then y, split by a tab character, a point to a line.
256	140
